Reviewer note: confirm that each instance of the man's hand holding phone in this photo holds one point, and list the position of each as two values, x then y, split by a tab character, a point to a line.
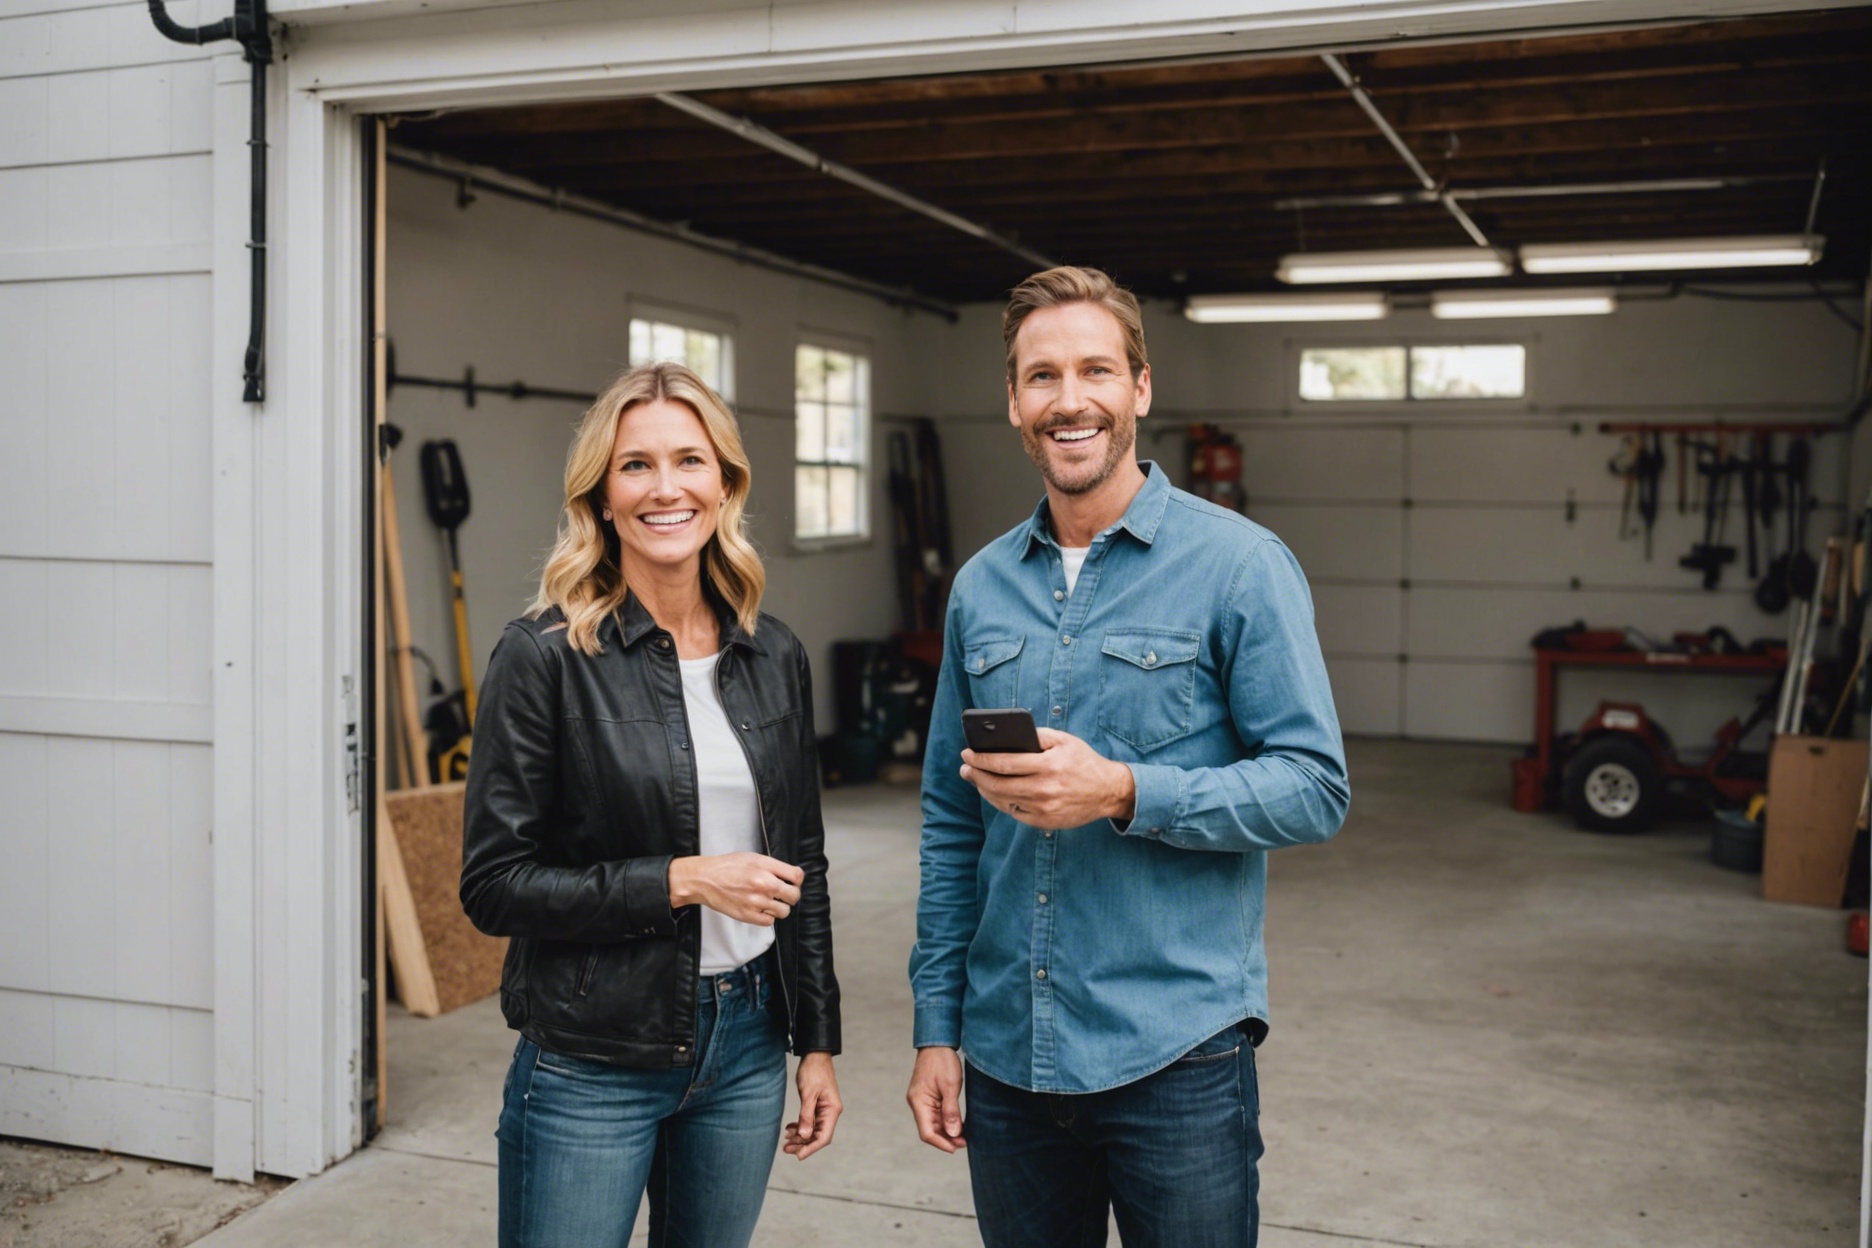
1065	784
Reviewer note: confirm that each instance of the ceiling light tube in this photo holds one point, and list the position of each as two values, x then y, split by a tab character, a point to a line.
1458	305
1420	265
1230	309
1672	253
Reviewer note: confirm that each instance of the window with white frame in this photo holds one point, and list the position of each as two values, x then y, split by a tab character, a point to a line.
701	343
832	415
1422	372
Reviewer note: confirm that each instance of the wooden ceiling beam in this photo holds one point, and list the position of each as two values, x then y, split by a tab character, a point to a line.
1428	121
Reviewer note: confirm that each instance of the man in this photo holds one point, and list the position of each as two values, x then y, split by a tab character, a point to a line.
1089	924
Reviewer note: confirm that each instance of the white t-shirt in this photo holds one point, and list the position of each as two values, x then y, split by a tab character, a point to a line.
1072	558
729	809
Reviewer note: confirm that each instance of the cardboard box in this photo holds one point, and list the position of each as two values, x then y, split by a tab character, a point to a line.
1813	803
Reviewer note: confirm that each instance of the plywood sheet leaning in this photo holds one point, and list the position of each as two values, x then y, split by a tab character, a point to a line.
441	961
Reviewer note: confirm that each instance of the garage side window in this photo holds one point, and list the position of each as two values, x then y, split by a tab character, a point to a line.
708	351
832	411
1428	372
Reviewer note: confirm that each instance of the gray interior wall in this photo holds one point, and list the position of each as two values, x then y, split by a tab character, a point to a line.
1437	537
520	292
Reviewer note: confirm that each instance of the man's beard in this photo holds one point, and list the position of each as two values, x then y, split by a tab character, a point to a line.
1120	437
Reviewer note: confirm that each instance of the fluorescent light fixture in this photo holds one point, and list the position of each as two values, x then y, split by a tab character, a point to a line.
1462	305
1672	253
1225	309
1425	265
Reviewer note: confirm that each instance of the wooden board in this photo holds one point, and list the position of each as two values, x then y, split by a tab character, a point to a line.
1814	786
448	962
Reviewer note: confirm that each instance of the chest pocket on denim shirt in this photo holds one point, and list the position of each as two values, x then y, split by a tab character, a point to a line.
993	667
1147	685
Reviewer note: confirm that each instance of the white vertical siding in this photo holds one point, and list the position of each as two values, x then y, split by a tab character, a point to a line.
106	937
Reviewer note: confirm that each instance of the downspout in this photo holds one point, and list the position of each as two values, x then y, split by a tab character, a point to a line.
248	25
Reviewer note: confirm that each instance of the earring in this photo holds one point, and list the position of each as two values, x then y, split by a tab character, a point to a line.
607	513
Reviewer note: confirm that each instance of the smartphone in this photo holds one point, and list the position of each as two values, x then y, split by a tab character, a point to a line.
1004	730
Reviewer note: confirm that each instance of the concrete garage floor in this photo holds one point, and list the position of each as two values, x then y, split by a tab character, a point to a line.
1490	1029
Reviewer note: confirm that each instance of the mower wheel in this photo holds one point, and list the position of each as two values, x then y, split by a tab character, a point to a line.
1613	784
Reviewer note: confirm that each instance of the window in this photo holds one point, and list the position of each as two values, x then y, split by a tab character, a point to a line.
709	351
1400	373
832	401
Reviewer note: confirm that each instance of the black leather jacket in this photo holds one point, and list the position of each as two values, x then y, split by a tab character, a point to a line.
582	787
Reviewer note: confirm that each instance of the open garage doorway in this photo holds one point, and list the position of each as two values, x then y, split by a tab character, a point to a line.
531	252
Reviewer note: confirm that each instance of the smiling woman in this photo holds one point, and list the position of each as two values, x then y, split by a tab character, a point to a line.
642	817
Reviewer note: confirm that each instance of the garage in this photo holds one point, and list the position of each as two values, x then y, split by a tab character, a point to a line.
1490	1024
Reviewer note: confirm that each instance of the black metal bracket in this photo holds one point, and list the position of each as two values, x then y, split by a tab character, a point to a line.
470	389
247	26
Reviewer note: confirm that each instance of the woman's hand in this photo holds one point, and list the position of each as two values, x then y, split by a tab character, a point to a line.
819	1107
752	888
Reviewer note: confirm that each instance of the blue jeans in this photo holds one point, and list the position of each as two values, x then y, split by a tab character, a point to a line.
1173	1155
580	1141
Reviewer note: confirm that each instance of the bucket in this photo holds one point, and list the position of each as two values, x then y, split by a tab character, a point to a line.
1737	842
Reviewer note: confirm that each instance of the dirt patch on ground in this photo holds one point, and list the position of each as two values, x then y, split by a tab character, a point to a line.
54	1197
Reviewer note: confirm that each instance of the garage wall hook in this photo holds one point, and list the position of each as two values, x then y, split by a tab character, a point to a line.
248	26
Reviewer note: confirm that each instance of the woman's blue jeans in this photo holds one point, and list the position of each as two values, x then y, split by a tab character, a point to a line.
1174	1155
581	1142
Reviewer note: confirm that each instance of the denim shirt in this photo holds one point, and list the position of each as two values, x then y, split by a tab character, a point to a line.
1083	959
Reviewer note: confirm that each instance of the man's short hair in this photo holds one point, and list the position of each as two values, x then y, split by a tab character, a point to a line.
1070	284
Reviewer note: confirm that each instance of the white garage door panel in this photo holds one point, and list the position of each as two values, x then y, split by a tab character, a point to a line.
133	631
109	114
113	455
1322	462
1512	465
160	1045
1338	543
1470	702
1499	624
107	1113
127	203
1365	691
1363	620
109	876
1518	547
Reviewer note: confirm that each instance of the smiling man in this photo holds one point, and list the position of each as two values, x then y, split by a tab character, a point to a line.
1089	923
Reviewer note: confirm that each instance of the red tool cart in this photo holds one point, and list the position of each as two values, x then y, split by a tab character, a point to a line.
1614	773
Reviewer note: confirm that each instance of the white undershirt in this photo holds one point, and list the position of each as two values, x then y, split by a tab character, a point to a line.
728	808
1072	558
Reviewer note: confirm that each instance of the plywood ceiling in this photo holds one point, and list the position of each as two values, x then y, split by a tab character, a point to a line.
1174	177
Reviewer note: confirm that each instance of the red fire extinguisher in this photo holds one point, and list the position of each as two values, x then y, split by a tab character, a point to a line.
1216	467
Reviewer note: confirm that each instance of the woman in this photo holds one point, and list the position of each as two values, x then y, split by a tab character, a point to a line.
643	819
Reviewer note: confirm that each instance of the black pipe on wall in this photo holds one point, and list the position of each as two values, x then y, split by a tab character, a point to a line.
248	25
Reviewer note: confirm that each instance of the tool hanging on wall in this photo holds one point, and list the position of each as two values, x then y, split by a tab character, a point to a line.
1790	574
1714	471
920	507
1624	465
1649	469
445	492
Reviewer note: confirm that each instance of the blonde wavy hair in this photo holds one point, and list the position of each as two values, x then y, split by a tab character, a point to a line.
584	576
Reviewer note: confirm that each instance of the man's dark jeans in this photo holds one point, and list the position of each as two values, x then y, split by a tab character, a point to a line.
1174	1155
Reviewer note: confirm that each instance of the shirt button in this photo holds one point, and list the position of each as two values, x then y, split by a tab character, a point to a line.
685	745
1059	710
1150	660
1065	641
662	643
1059	595
980	664
1040	974
1041	899
1048	834
745	727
